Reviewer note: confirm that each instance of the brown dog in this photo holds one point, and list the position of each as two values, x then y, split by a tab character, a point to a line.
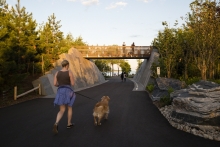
101	110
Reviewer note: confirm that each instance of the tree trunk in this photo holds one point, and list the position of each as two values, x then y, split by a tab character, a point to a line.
211	71
186	71
203	71
118	70
168	74
112	70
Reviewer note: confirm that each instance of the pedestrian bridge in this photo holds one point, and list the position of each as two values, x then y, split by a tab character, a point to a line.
115	52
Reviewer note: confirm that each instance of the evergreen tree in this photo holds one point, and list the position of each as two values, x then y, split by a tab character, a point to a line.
23	36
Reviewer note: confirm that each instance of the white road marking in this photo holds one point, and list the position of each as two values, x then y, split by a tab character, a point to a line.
136	85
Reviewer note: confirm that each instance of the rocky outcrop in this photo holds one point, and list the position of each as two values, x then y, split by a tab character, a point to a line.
85	72
195	109
198	104
162	86
205	131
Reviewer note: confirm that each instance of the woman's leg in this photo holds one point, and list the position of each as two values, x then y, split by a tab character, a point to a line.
69	115
60	113
59	116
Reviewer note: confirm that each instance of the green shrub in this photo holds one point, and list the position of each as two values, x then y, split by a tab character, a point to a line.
170	90
150	88
216	81
192	80
164	101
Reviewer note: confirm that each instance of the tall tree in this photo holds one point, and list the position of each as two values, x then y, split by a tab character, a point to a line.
125	66
24	36
57	35
70	42
102	65
205	26
168	47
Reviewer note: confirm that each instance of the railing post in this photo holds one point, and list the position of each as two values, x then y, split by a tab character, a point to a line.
39	89
15	93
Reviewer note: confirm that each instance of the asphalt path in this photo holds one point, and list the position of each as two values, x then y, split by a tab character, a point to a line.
133	122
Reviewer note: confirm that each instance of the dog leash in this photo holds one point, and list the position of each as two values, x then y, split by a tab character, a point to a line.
86	96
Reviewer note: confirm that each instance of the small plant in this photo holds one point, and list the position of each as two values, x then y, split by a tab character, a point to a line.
164	101
150	88
216	81
192	80
170	90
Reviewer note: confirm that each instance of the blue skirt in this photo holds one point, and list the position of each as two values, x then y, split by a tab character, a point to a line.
65	96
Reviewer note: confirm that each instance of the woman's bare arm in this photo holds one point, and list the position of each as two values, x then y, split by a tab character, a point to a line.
55	83
71	78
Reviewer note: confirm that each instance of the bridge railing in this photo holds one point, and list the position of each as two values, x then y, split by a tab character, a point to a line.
114	51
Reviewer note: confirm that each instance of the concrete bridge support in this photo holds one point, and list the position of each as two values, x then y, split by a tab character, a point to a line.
143	74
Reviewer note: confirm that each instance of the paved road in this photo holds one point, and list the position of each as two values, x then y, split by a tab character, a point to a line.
133	122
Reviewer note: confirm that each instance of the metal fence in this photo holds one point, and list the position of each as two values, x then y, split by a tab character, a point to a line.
115	51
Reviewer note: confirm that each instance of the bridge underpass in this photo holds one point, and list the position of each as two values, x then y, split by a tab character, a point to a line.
115	52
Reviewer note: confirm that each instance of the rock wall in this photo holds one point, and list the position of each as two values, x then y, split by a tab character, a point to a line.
85	72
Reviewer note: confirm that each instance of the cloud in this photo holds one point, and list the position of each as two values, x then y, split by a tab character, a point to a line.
135	36
145	1
90	2
71	0
117	4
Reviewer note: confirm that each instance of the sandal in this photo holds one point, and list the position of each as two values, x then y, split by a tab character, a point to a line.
55	128
70	126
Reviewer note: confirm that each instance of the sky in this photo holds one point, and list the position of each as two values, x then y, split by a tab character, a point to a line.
109	22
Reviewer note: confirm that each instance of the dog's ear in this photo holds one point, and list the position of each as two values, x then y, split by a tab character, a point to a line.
108	97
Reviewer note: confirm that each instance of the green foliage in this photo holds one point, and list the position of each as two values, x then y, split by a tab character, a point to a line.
22	45
150	88
170	90
102	65
192	80
164	101
215	80
125	66
192	50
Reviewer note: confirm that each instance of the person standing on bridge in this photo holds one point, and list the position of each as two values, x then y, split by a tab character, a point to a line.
65	96
123	47
132	47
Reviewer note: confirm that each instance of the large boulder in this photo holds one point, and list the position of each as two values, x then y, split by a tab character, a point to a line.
86	73
162	86
198	104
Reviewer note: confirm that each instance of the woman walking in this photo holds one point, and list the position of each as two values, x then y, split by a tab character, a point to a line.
65	96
